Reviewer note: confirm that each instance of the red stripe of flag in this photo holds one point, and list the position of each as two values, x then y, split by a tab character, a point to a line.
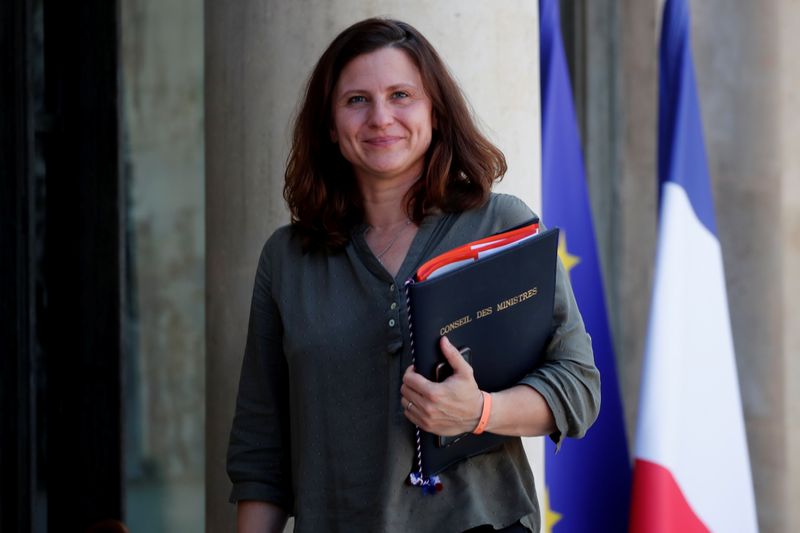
658	504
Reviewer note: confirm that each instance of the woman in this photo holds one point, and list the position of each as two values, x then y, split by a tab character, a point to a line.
387	169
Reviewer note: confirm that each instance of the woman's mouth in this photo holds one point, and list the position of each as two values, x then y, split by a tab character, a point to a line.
384	140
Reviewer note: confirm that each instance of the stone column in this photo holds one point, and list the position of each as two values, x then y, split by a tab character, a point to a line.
788	72
746	103
633	218
258	56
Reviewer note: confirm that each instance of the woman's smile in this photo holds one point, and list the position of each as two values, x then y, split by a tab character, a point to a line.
388	139
383	141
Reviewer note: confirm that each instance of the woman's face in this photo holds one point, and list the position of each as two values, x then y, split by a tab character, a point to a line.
382	117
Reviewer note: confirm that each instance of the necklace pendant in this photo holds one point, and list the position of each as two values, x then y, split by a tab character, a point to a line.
379	256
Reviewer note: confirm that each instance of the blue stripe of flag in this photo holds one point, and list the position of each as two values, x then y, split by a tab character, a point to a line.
681	150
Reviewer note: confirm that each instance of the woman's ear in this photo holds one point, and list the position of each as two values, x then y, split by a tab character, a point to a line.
334	137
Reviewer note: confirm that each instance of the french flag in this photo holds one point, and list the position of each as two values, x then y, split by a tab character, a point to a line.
691	470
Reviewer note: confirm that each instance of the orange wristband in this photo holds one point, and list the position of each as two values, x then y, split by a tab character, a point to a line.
487	410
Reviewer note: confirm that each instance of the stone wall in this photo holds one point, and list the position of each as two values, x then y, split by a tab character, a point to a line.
161	59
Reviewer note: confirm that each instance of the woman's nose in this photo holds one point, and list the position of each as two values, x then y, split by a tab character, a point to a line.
380	114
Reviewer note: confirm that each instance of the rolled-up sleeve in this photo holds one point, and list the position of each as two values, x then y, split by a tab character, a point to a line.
568	379
259	450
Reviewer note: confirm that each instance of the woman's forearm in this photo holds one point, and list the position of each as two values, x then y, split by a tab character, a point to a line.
520	411
259	517
455	405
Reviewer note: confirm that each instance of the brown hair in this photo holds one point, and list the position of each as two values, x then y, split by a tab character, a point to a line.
321	191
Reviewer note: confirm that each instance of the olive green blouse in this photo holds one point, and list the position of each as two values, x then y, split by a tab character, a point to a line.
319	429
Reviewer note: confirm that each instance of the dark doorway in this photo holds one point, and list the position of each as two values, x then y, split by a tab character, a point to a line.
60	235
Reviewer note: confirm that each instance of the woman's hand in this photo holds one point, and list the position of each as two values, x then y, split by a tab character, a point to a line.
449	408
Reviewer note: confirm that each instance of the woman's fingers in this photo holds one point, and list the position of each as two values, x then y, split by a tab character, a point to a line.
453	356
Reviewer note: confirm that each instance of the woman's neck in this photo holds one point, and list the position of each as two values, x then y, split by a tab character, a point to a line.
384	203
390	231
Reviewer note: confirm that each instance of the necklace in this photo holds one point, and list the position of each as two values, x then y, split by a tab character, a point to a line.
380	255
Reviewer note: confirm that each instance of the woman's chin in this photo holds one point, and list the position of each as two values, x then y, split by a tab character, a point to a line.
390	170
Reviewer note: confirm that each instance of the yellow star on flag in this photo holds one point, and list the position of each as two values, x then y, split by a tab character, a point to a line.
569	260
551	518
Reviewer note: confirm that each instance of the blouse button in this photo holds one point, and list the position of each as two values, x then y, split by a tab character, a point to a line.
391	322
393	306
392	287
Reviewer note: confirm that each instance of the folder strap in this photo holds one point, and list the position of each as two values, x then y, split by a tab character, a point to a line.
428	484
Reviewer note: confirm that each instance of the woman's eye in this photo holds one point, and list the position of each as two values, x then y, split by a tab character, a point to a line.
356	99
399	94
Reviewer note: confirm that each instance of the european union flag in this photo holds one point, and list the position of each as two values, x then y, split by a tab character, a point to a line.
588	480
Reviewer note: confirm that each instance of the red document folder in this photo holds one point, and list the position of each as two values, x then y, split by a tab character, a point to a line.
475	250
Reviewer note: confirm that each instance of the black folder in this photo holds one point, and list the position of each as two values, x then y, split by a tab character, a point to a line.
501	308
